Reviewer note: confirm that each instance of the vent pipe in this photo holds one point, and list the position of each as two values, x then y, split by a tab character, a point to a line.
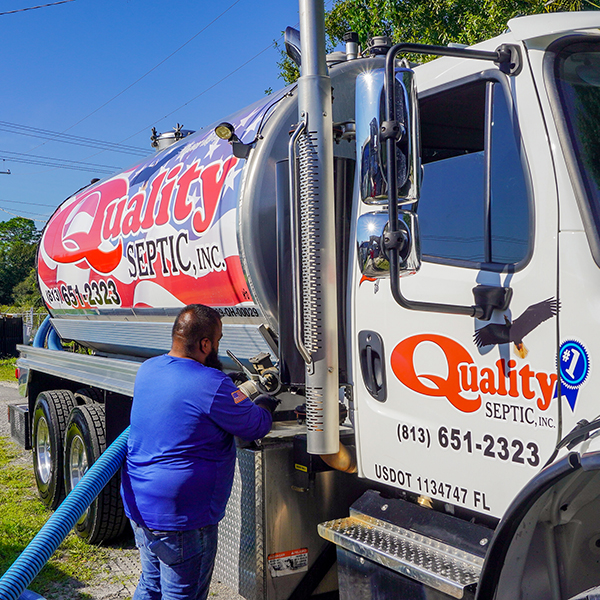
317	235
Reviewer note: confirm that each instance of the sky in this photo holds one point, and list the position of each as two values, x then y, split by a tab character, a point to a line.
110	70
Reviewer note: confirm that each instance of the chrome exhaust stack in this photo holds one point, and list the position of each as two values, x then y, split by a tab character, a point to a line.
313	228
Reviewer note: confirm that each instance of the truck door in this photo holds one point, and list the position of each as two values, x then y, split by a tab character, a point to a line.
447	406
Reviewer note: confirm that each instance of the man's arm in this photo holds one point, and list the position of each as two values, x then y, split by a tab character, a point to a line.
234	412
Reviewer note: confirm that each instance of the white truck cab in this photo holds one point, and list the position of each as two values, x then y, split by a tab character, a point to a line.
464	411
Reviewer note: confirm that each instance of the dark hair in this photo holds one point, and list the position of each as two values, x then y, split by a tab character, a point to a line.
194	323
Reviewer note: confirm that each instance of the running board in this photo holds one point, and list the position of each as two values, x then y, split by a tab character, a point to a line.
433	549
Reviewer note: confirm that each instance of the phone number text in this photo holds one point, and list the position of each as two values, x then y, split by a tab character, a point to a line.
94	293
496	447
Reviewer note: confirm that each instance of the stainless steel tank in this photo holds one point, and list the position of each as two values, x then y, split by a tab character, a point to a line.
189	224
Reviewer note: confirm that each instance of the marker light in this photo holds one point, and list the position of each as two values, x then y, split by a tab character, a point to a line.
225	131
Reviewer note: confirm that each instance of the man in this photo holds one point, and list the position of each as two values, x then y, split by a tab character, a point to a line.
181	457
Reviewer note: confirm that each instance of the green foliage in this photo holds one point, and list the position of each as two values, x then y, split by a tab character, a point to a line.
437	22
22	516
18	245
19	229
288	71
26	294
7	370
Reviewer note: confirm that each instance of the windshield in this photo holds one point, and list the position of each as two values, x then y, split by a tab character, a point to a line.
577	77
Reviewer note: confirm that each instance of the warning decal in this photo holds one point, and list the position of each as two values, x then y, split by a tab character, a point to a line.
286	563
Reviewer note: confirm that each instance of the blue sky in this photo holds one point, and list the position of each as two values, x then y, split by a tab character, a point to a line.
62	63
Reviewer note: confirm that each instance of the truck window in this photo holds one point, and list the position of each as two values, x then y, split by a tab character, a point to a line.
577	78
474	205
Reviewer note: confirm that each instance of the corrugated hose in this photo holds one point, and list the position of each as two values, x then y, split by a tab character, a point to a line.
46	334
30	562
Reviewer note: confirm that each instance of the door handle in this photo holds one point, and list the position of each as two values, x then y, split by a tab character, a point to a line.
372	362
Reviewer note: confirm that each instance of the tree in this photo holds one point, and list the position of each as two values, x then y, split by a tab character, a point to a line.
26	293
288	70
437	22
18	245
19	229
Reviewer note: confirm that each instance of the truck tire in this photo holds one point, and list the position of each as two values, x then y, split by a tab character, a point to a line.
50	417
85	440
89	396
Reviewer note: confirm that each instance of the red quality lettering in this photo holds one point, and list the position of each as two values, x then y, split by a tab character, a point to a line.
133	217
547	382
154	189
65	247
465	378
165	196
115	214
213	178
182	208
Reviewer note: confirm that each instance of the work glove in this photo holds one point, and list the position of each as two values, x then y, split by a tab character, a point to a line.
267	402
237	377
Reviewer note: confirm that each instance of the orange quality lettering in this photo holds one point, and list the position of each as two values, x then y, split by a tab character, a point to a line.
465	382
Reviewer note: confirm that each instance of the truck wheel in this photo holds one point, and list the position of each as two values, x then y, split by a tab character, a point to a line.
50	417
85	440
89	396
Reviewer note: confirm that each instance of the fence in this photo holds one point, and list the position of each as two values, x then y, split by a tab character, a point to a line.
18	328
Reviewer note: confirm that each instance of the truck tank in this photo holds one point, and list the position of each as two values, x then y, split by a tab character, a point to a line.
191	224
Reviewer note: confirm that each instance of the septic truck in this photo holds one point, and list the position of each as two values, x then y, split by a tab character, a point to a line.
408	257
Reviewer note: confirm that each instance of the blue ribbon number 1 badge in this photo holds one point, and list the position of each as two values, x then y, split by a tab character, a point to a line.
574	367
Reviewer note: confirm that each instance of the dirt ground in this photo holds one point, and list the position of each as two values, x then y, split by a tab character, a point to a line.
117	576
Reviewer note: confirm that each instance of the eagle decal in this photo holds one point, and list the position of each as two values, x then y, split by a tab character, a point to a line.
515	331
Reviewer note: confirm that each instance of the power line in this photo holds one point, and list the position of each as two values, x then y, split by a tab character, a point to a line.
11	12
43	218
148	72
62	166
70	139
27	203
206	90
60	163
274	43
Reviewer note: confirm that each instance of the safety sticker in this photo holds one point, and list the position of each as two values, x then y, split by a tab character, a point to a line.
286	563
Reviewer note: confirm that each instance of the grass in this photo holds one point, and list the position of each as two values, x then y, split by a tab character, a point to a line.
22	516
7	369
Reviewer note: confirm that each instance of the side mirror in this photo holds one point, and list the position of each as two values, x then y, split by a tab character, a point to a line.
374	239
373	187
292	45
405	130
372	132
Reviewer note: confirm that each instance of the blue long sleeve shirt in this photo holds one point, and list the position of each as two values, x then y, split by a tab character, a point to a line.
181	450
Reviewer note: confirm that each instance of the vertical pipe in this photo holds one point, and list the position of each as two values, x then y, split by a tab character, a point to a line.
351	39
317	234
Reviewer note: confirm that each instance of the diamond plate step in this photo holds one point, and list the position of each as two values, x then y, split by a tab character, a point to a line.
426	560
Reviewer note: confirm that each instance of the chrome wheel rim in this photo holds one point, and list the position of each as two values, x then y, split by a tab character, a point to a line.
78	465
43	451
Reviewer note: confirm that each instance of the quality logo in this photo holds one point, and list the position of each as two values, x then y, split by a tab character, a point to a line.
466	382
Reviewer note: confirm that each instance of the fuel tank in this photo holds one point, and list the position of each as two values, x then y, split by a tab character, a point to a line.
190	224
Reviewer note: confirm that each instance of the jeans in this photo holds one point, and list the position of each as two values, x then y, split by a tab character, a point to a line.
176	565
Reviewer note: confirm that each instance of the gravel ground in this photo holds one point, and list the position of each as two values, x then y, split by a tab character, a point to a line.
116	578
